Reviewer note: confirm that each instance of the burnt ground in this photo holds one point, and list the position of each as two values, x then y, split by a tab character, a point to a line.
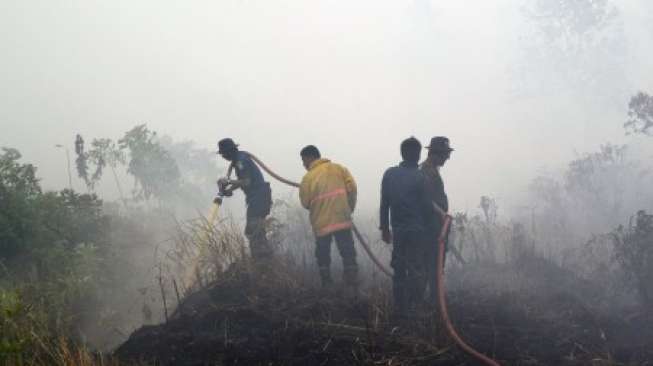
248	319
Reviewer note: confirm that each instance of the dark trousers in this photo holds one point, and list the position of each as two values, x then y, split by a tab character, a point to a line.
258	208
431	261
431	269
255	232
345	243
408	265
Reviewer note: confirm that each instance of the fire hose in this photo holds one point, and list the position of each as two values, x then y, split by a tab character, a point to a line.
360	238
442	304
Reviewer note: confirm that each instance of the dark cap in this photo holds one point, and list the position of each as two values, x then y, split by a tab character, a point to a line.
226	145
439	144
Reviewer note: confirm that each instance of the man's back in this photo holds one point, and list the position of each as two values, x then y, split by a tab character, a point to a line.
403	196
326	177
246	169
329	192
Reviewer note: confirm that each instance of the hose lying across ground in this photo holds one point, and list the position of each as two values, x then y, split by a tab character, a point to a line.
440	270
443	304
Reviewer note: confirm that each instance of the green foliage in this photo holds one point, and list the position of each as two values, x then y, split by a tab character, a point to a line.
19	192
156	163
26	337
72	218
103	152
81	162
17	177
640	114
156	172
56	263
51	239
31	219
15	335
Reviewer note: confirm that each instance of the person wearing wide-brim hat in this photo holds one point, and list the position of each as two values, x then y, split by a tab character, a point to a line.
439	145
258	195
439	152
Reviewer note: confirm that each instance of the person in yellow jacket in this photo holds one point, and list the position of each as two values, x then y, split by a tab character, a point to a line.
328	191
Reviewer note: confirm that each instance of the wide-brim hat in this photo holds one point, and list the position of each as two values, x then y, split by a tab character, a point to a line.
226	145
440	144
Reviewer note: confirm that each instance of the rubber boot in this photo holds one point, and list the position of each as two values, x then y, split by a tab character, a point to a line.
325	276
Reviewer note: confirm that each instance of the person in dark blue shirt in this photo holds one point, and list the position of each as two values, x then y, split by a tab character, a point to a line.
404	207
258	195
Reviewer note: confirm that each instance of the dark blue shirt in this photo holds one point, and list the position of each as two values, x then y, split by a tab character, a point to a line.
403	199
246	169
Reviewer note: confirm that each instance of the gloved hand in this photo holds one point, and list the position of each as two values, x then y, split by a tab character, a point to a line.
223	183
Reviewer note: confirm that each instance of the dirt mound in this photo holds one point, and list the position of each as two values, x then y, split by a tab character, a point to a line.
249	319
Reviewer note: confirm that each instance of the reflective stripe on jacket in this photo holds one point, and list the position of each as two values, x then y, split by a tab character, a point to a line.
328	191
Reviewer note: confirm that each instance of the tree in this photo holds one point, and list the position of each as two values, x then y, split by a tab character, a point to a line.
573	24
106	152
155	171
31	219
156	163
83	162
103	152
597	192
640	114
19	189
633	250
199	169
575	45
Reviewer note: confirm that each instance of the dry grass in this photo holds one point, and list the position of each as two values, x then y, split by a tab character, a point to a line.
60	352
203	250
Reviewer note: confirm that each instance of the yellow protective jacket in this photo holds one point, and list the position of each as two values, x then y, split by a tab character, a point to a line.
328	191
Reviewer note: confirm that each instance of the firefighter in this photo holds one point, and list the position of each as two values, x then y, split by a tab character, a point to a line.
328	191
258	196
439	153
404	207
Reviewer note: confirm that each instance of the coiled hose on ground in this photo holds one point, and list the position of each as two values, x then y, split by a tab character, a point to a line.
442	304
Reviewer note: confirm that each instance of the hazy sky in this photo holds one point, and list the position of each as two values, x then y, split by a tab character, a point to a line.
352	77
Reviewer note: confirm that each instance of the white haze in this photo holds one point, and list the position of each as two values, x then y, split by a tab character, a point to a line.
352	77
